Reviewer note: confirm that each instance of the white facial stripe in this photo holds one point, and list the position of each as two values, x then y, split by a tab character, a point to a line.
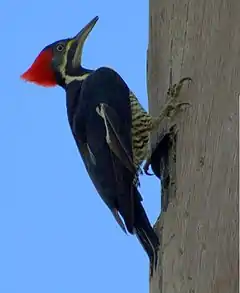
64	63
69	78
62	68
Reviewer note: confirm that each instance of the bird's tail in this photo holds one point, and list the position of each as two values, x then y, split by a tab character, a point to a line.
137	223
145	233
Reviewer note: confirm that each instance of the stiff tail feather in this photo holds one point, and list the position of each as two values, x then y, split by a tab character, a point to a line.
136	221
146	235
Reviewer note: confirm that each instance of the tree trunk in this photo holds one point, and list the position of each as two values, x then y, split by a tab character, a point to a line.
198	225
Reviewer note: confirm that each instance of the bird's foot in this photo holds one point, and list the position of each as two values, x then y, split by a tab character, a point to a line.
175	89
172	106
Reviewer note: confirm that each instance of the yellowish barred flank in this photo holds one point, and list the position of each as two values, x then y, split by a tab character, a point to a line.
142	124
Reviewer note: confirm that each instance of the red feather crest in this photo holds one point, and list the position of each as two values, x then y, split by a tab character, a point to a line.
41	71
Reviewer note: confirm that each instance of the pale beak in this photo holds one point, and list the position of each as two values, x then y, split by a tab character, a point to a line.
80	39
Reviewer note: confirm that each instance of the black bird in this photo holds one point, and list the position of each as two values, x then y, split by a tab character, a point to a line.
110	127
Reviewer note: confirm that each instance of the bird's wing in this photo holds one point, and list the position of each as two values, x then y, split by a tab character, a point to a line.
114	136
104	108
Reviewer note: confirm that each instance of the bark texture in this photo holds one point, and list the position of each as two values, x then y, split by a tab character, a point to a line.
198	229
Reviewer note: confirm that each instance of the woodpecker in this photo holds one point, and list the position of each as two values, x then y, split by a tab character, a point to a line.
110	127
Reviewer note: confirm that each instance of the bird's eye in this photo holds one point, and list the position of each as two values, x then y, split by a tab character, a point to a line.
60	47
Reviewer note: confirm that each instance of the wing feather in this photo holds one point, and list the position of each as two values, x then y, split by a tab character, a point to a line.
113	136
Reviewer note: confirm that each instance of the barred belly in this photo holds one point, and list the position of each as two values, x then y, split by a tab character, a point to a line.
141	127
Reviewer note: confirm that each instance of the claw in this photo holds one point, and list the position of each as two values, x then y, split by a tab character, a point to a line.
184	79
176	88
182	104
149	174
181	82
146	167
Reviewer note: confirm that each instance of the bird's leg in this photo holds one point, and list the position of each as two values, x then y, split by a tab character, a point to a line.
171	108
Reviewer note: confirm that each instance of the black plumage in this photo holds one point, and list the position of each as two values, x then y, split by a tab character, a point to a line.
110	127
109	166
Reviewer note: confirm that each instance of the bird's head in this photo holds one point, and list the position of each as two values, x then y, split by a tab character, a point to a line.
59	63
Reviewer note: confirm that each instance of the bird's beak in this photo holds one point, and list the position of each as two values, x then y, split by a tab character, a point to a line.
80	39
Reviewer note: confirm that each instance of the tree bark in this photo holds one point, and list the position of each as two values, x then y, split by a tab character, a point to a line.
198	225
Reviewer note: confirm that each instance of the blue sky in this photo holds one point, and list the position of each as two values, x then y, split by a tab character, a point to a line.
57	236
